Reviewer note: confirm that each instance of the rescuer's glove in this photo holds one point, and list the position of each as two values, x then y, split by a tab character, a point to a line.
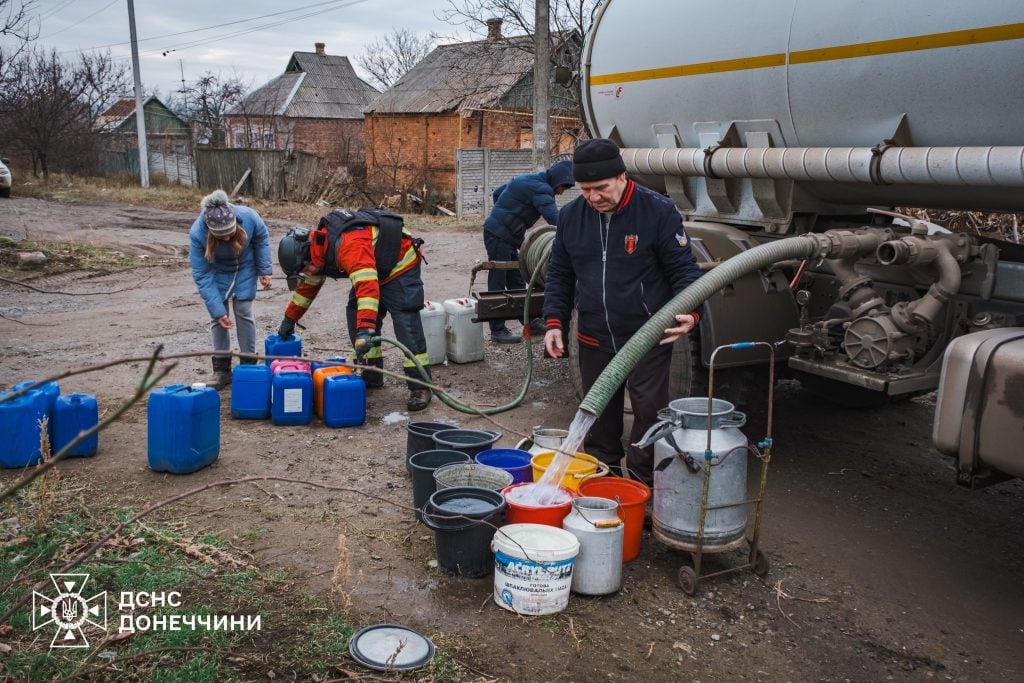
362	343
286	330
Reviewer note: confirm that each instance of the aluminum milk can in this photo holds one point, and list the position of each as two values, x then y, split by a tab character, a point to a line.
543	439
681	455
595	523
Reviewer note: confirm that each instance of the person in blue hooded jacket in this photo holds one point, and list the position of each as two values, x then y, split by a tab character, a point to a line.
229	249
517	206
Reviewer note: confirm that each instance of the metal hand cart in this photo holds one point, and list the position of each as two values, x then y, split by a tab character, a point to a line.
690	574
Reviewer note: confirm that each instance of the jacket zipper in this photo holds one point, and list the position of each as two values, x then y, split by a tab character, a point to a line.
606	220
643	300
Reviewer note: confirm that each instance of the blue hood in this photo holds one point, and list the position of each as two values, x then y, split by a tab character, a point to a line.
560	173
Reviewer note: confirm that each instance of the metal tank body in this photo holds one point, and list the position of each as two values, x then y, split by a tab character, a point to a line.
812	74
679	466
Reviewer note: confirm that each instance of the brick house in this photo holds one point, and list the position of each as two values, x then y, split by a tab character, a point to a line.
315	106
475	94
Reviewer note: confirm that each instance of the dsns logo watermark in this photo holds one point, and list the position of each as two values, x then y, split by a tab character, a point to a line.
69	611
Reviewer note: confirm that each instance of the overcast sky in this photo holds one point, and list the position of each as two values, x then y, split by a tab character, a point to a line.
225	36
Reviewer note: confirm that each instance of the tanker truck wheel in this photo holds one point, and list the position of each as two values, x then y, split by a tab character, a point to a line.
684	376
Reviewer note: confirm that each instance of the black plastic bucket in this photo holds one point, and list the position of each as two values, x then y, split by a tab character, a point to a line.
420	438
422	466
463	519
469	441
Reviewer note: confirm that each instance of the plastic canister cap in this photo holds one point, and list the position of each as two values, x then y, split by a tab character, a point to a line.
196	386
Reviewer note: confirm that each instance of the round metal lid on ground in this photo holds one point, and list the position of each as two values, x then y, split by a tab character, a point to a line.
389	647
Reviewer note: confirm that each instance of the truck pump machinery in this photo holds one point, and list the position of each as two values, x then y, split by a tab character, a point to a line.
765	120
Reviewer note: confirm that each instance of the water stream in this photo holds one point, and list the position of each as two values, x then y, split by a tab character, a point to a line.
546	491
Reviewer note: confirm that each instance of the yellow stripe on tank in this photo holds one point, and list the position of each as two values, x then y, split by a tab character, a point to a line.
931	41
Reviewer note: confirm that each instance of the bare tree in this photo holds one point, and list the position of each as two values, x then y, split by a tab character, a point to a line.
17	20
389	58
50	106
567	16
205	101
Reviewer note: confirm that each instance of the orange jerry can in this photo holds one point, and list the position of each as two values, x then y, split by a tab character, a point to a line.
319	375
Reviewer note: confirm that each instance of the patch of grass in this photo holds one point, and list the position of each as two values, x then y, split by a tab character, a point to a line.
69	256
165	195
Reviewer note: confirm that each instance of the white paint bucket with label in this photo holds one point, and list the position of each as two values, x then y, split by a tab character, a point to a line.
533	568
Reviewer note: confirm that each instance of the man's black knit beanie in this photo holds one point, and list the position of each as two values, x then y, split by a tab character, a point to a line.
596	160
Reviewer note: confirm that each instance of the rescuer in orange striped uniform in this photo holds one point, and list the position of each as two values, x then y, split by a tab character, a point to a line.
381	259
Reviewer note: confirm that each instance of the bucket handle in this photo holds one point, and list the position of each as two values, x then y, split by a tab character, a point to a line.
606	523
602	470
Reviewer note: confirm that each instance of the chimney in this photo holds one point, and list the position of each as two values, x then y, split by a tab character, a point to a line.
493	30
319	48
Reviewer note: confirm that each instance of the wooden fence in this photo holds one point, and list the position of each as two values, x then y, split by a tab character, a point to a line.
273	174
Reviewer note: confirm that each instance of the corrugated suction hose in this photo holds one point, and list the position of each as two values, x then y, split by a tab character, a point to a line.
804	246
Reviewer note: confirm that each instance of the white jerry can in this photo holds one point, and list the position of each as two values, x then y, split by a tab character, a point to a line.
432	316
464	338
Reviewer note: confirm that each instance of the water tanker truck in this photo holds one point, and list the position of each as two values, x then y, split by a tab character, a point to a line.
766	121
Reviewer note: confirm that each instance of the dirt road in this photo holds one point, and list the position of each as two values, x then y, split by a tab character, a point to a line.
882	569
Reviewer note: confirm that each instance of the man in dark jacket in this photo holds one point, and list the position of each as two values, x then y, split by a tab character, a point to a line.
517	206
620	254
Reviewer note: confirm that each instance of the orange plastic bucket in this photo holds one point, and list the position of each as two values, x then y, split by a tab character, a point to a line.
632	496
521	513
581	468
319	375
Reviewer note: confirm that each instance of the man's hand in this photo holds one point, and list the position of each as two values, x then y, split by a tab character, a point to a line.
286	329
362	343
686	323
553	343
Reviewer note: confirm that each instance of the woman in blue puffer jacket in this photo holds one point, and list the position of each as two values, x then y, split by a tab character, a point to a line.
229	249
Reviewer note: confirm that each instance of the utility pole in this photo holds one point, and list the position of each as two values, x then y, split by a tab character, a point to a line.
541	88
140	116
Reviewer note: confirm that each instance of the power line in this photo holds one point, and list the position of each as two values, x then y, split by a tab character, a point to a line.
220	38
89	16
55	10
209	28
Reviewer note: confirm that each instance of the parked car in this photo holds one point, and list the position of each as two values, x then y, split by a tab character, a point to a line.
5	179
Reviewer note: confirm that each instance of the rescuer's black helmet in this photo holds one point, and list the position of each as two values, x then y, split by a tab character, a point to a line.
293	254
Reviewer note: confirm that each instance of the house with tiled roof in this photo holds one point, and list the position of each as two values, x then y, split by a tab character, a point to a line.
315	106
477	94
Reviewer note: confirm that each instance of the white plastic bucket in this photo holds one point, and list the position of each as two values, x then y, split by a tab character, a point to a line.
533	568
433	318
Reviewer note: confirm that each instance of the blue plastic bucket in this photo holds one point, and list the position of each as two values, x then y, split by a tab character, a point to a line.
513	460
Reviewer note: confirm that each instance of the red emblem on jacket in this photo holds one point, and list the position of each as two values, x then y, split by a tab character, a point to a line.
631	241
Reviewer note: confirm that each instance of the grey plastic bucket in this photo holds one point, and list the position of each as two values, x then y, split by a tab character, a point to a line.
469	441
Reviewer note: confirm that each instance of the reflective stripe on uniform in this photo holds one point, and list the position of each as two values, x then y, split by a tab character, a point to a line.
362	275
300	301
423	358
407	259
367	303
374	352
313	279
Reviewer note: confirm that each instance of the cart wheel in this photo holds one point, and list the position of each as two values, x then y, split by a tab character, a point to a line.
687	579
761	564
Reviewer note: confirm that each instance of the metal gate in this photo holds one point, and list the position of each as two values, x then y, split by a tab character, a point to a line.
479	171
